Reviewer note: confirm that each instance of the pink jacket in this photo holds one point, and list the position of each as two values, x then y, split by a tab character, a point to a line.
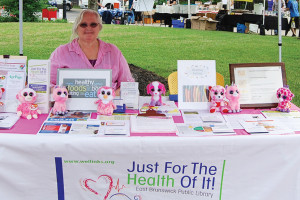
109	57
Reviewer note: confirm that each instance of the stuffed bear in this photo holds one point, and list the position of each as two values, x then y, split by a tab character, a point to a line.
60	96
156	89
233	96
217	99
1	94
285	97
27	108
105	102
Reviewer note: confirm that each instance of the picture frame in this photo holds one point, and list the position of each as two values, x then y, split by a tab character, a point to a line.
194	79
258	83
82	85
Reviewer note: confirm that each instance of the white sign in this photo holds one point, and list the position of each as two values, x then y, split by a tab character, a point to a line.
12	79
194	78
149	168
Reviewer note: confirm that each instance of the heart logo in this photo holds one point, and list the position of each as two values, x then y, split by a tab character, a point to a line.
102	183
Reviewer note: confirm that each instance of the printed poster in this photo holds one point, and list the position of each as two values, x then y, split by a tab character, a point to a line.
194	78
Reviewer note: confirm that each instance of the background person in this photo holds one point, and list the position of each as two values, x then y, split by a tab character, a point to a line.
172	2
137	14
292	6
87	51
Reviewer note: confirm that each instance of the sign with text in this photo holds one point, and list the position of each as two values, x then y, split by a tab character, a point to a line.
82	85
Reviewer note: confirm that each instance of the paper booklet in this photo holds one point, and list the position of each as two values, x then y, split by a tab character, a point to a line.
265	126
7	120
70	116
168	108
152	125
90	128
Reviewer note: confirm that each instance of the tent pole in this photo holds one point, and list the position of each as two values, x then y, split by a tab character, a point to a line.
21	26
189	9
279	29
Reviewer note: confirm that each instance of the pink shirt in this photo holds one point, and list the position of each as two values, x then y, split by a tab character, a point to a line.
109	57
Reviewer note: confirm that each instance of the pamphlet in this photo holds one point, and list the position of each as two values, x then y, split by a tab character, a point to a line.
265	126
233	119
130	94
168	108
70	116
152	125
39	81
7	120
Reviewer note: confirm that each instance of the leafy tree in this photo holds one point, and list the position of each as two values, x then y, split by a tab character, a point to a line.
30	7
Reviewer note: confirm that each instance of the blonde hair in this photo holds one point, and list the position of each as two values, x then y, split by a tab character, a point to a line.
79	19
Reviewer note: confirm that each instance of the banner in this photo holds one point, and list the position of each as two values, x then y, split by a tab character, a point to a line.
149	168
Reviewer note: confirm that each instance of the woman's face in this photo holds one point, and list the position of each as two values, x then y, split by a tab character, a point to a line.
89	28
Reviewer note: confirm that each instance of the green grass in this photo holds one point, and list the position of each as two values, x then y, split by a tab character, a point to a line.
158	49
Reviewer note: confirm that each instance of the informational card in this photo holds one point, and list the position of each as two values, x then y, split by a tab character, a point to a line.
82	85
12	79
39	81
194	78
7	120
130	94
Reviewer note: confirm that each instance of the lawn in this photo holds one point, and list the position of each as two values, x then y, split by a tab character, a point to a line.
158	49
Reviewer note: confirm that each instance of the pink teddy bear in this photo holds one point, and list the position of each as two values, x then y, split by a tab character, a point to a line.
285	97
27	108
1	93
60	96
217	99
105	102
156	89
233	95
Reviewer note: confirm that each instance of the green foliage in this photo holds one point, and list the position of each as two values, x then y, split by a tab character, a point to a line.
8	19
30	7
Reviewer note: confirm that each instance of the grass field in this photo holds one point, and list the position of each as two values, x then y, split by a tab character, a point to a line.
158	49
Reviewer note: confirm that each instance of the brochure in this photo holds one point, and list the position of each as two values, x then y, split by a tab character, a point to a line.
152	125
168	108
70	116
7	120
265	126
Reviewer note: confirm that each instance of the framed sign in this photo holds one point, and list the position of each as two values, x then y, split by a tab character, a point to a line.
83	85
194	78
258	83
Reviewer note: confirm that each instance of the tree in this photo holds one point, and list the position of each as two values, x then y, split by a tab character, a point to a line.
30	7
92	4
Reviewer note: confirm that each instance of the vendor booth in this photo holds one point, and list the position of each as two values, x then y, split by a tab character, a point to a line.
149	148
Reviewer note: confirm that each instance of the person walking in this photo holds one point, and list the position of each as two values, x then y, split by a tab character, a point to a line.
292	6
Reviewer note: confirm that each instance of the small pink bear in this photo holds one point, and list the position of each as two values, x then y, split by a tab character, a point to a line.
285	97
27	108
156	89
1	94
217	99
60	96
233	96
105	102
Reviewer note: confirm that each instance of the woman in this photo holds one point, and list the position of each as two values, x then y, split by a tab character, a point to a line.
87	51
